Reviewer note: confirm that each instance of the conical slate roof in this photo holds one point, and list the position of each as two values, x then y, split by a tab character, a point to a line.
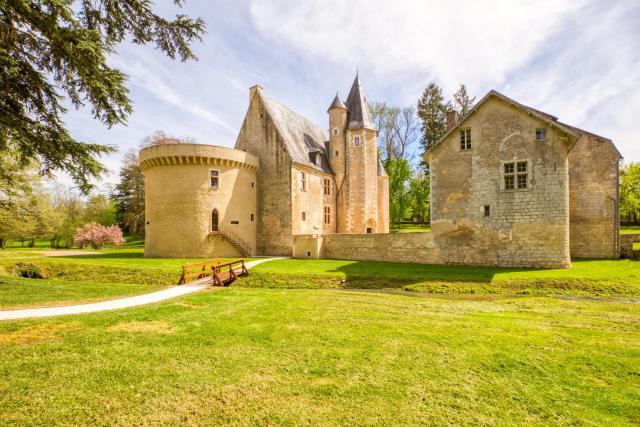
337	103
359	113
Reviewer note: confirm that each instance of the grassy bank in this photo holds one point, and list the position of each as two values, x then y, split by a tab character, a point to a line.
586	277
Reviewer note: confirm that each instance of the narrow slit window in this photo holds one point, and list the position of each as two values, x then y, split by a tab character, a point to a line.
487	211
303	181
356	141
252	217
304	216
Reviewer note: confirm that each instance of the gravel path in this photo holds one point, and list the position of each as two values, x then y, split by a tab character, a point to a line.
117	304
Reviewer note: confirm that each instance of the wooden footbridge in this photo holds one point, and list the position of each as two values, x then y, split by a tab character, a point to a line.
222	274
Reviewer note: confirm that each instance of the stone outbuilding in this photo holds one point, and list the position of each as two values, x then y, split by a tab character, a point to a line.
521	188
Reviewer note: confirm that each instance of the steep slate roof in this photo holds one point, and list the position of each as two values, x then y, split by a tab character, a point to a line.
359	113
548	118
302	138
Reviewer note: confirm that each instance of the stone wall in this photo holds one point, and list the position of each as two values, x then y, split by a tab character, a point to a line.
312	201
626	244
179	200
593	182
524	227
260	137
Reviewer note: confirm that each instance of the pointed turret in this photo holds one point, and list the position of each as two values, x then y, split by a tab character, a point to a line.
337	103
359	113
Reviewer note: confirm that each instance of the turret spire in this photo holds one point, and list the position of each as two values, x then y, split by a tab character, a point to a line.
359	113
337	103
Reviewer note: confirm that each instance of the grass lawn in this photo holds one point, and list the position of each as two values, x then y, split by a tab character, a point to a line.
629	229
17	292
410	228
112	273
326	357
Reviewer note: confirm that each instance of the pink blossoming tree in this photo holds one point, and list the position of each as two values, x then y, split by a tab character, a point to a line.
96	235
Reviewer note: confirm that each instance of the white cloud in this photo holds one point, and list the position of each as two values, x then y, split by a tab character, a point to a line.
453	41
575	59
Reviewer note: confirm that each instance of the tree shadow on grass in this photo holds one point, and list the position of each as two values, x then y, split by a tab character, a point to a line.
421	277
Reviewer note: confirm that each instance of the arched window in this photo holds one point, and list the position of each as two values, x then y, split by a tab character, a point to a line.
214	220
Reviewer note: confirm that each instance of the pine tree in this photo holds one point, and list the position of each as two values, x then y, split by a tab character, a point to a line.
52	48
129	195
432	112
462	101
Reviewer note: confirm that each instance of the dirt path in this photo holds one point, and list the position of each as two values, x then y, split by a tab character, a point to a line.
117	304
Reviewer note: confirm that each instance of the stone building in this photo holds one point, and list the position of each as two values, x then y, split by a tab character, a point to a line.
286	176
314	182
524	188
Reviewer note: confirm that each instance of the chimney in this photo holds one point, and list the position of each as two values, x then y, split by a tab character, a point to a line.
452	119
253	90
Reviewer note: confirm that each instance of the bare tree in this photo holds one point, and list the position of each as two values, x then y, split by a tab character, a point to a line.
161	138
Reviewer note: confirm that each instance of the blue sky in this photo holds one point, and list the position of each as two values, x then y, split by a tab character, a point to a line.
576	59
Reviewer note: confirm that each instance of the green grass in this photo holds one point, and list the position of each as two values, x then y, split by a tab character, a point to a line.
112	273
630	229
410	228
324	357
593	277
17	292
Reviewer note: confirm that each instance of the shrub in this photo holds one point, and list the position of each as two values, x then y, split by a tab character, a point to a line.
28	270
97	235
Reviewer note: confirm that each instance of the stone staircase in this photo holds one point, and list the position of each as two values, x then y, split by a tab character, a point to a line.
238	242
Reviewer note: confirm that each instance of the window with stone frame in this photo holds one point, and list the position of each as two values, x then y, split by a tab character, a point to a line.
326	186
541	134
516	175
356	141
465	139
215	178
303	181
327	215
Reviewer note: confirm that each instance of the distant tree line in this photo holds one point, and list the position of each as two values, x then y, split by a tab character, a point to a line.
404	133
630	193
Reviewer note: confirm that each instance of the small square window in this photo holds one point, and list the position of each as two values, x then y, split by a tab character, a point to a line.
509	182
215	178
522	166
508	168
356	141
522	181
335	131
541	133
337	153
304	216
487	210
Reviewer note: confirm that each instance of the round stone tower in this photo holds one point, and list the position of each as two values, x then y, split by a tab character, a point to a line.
200	201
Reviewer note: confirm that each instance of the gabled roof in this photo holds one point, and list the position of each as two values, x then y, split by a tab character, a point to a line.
301	136
547	118
337	103
359	112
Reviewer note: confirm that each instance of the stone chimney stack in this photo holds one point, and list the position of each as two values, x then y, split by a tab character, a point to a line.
253	90
452	119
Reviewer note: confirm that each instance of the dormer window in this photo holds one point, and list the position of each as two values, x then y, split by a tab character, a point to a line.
356	141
